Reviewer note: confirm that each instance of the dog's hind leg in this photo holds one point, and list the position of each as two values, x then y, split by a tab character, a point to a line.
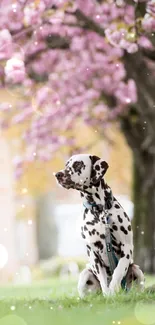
100	271
135	275
87	283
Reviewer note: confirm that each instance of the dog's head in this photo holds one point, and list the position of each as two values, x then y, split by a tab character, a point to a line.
80	170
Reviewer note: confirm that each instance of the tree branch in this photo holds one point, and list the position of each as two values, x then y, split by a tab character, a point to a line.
149	54
88	23
54	41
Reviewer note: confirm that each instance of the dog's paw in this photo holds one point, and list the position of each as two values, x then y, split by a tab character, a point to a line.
105	292
113	290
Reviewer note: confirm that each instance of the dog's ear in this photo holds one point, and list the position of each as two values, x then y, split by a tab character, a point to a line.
99	168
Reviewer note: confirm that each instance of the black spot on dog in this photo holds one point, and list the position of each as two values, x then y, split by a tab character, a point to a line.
128	256
85	228
106	186
104	165
83	236
94	159
130	251
117	206
91	223
97	195
85	213
129	227
98	244
97	184
114	243
119	218
82	195
124	230
103	220
88	252
97	268
97	167
112	235
108	202
115	227
89	282
117	251
103	184
93	174
78	166
93	231
126	216
122	254
102	236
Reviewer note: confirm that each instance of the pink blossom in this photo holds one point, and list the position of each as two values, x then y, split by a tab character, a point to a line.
15	70
42	95
126	93
145	42
79	79
23	116
6	46
150	8
33	12
132	48
14	17
87	6
148	23
57	17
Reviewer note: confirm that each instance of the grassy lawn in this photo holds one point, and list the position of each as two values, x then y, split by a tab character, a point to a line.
57	302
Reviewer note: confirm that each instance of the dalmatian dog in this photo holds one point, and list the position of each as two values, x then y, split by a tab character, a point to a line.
85	173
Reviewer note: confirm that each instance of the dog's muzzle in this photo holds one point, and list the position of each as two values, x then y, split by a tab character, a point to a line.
63	180
59	176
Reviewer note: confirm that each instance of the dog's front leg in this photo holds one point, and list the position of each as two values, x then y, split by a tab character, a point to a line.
121	269
102	277
95	260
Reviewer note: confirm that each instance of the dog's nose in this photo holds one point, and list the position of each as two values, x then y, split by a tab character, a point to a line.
59	175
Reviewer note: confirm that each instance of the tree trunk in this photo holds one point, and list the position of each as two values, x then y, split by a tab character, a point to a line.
144	213
138	126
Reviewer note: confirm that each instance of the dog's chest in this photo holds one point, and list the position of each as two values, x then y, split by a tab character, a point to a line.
93	231
93	228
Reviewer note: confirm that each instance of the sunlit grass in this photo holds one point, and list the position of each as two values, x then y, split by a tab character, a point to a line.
57	302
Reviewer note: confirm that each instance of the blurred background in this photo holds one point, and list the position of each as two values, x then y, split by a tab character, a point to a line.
75	76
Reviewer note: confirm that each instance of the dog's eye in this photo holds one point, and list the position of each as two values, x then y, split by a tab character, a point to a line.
77	166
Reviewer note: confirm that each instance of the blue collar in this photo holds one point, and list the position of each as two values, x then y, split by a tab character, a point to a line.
89	206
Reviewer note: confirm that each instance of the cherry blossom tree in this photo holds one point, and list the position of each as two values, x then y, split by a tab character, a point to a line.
90	60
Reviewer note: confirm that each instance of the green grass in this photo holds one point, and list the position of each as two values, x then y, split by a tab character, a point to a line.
57	302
